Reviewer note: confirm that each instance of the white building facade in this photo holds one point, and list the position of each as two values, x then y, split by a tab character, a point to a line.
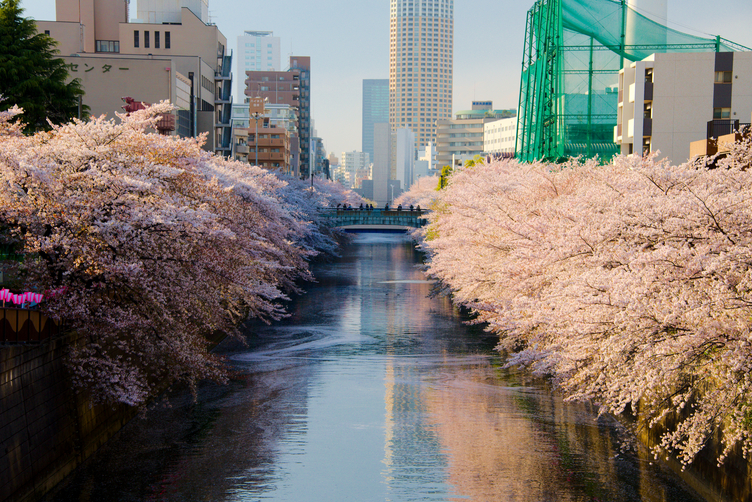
256	51
666	101
499	137
353	168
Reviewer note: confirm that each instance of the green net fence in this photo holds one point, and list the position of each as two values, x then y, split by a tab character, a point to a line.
573	52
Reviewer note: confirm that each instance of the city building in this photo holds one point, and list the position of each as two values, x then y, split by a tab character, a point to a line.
460	139
404	161
293	88
183	60
354	167
256	51
572	55
420	65
667	101
499	137
375	109
382	147
265	143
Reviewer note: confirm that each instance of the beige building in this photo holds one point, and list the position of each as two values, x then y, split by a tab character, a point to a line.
667	101
184	61
462	138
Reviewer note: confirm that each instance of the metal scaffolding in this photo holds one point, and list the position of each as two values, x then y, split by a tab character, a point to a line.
571	59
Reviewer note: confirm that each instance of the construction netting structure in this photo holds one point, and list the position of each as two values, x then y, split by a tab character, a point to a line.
569	92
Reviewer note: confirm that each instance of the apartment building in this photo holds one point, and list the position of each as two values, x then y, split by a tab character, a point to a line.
256	51
667	101
499	137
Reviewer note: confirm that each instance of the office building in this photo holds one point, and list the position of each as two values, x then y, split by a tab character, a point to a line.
499	137
669	100
375	109
404	161
461	139
420	65
170	53
354	167
257	51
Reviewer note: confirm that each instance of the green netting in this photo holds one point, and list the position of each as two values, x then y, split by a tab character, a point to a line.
573	52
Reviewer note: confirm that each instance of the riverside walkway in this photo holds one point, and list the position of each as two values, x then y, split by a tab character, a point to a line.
376	220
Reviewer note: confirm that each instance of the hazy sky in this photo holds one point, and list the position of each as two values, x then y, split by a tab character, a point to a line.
348	41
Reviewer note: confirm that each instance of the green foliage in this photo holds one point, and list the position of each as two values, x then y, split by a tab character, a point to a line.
446	172
476	161
30	74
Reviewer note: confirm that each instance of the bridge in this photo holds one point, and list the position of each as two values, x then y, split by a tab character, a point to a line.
375	220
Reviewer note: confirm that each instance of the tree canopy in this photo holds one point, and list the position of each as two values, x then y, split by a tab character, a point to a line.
31	76
628	284
146	245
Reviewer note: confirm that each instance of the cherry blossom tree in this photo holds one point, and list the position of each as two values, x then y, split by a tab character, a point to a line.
422	193
628	283
146	245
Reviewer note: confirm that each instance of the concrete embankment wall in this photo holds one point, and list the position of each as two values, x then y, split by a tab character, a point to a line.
46	428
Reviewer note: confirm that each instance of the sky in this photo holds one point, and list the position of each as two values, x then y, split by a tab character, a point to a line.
348	41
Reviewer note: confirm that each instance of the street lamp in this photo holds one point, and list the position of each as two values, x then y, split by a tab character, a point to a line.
256	116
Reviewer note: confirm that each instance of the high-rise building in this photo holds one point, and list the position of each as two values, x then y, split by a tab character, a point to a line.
375	109
355	167
420	65
257	51
293	88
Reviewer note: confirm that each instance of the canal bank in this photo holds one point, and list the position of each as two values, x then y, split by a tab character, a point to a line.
370	390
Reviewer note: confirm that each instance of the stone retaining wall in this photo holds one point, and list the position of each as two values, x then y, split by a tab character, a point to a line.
46	428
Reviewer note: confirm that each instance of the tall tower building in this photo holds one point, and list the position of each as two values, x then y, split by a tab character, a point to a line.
420	65
375	109
257	51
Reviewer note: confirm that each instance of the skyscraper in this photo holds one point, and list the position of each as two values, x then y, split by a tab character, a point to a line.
375	109
420	65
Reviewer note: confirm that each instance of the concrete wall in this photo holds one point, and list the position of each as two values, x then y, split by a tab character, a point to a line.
682	102
46	428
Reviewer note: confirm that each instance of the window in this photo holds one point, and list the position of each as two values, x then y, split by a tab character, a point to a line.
47	32
166	39
146	39
107	46
723	77
135	38
721	113
156	40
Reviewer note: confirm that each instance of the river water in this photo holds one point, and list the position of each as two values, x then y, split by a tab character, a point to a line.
370	391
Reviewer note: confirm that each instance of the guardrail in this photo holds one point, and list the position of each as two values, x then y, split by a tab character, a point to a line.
364	217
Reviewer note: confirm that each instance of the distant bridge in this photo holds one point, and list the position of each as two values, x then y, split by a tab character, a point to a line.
376	220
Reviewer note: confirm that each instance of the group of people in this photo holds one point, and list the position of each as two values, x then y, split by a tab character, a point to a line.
369	207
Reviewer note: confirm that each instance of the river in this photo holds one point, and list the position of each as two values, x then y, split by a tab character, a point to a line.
370	391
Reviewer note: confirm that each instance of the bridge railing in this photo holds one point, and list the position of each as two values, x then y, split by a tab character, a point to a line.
392	217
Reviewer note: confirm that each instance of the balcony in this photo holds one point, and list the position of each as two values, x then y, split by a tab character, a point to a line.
243	149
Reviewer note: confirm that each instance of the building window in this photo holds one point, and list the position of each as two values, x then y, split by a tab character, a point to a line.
107	46
166	39
146	39
135	38
156	40
721	113
723	77
47	32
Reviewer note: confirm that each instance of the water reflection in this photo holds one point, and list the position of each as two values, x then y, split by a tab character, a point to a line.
371	390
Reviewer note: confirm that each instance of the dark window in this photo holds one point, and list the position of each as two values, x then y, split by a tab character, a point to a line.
723	77
146	39
156	40
46	32
166	39
135	38
721	113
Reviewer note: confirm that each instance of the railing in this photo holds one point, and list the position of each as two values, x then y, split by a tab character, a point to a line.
376	217
721	127
25	326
